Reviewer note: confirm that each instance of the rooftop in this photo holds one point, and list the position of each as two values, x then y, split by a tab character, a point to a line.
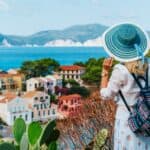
7	97
69	97
31	94
73	67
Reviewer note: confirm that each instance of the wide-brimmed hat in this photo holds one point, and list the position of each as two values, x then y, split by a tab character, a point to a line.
121	42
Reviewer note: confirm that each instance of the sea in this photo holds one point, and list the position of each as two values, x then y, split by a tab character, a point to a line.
13	57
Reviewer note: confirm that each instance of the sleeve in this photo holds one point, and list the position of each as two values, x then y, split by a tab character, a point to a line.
116	81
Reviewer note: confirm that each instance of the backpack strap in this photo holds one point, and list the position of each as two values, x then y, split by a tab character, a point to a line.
124	101
138	78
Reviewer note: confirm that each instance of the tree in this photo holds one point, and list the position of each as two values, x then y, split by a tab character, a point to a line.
79	90
38	68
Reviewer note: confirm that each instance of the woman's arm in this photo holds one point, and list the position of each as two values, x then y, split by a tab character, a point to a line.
107	64
116	81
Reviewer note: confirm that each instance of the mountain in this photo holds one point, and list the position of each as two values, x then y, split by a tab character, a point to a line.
75	34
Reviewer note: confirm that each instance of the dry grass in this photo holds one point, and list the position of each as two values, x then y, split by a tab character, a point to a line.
95	115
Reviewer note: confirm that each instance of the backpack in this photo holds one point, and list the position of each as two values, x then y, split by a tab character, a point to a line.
139	118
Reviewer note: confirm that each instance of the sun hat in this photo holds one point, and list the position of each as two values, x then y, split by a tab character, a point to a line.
126	42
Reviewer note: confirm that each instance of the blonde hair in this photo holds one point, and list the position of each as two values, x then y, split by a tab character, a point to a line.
137	67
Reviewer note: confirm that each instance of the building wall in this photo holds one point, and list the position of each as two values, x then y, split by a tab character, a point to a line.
32	84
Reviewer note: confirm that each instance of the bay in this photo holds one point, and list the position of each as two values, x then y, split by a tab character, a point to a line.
13	57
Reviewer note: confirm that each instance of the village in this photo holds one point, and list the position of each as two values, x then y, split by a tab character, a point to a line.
35	103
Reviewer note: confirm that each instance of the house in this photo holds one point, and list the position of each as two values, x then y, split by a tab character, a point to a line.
39	103
11	81
72	72
47	83
69	105
12	107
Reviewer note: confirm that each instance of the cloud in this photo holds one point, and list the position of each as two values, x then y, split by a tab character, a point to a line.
3	5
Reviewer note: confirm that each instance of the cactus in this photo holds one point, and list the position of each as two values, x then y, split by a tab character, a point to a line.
6	146
52	146
100	140
19	129
49	129
53	137
34	132
24	144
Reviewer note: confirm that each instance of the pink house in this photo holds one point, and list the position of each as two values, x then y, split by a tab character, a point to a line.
69	105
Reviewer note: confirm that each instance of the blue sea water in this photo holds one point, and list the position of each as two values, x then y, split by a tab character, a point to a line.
13	57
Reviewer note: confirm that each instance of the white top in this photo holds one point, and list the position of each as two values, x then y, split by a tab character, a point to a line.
121	79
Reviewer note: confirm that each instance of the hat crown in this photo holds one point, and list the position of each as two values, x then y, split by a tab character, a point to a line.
127	34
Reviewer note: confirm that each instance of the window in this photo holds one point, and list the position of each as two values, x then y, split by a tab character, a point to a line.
37	107
43	113
41	98
39	113
32	114
14	118
20	116
53	111
48	112
77	76
41	106
35	85
46	97
48	83
26	117
36	98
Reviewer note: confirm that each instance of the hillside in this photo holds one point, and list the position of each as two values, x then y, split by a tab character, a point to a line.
75	34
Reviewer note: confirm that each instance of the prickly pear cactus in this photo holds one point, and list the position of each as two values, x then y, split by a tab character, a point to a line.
24	144
100	140
19	128
47	132
52	146
34	133
6	146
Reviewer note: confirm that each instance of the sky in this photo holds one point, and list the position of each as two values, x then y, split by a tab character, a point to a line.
25	17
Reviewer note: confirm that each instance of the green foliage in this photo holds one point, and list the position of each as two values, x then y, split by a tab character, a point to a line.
35	138
80	63
93	69
19	129
100	140
38	68
53	98
7	146
83	91
34	132
73	82
47	132
24	144
52	146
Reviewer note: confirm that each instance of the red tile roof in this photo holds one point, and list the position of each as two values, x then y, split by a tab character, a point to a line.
69	97
74	67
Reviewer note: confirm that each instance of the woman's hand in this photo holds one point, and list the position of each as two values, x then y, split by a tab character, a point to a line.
107	64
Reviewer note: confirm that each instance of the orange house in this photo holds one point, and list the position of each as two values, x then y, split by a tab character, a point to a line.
69	105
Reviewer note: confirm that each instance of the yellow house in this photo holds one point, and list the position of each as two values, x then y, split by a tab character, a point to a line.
11	81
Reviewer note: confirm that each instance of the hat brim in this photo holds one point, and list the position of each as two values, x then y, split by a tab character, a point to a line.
122	53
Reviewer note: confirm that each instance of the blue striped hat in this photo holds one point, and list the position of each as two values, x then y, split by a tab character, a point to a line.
123	42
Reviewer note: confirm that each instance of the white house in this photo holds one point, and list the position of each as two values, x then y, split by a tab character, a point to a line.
72	72
39	103
48	83
12	107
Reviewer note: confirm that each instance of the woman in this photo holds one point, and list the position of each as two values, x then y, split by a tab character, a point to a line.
128	44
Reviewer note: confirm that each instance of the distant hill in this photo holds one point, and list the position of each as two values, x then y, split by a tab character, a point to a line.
78	33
